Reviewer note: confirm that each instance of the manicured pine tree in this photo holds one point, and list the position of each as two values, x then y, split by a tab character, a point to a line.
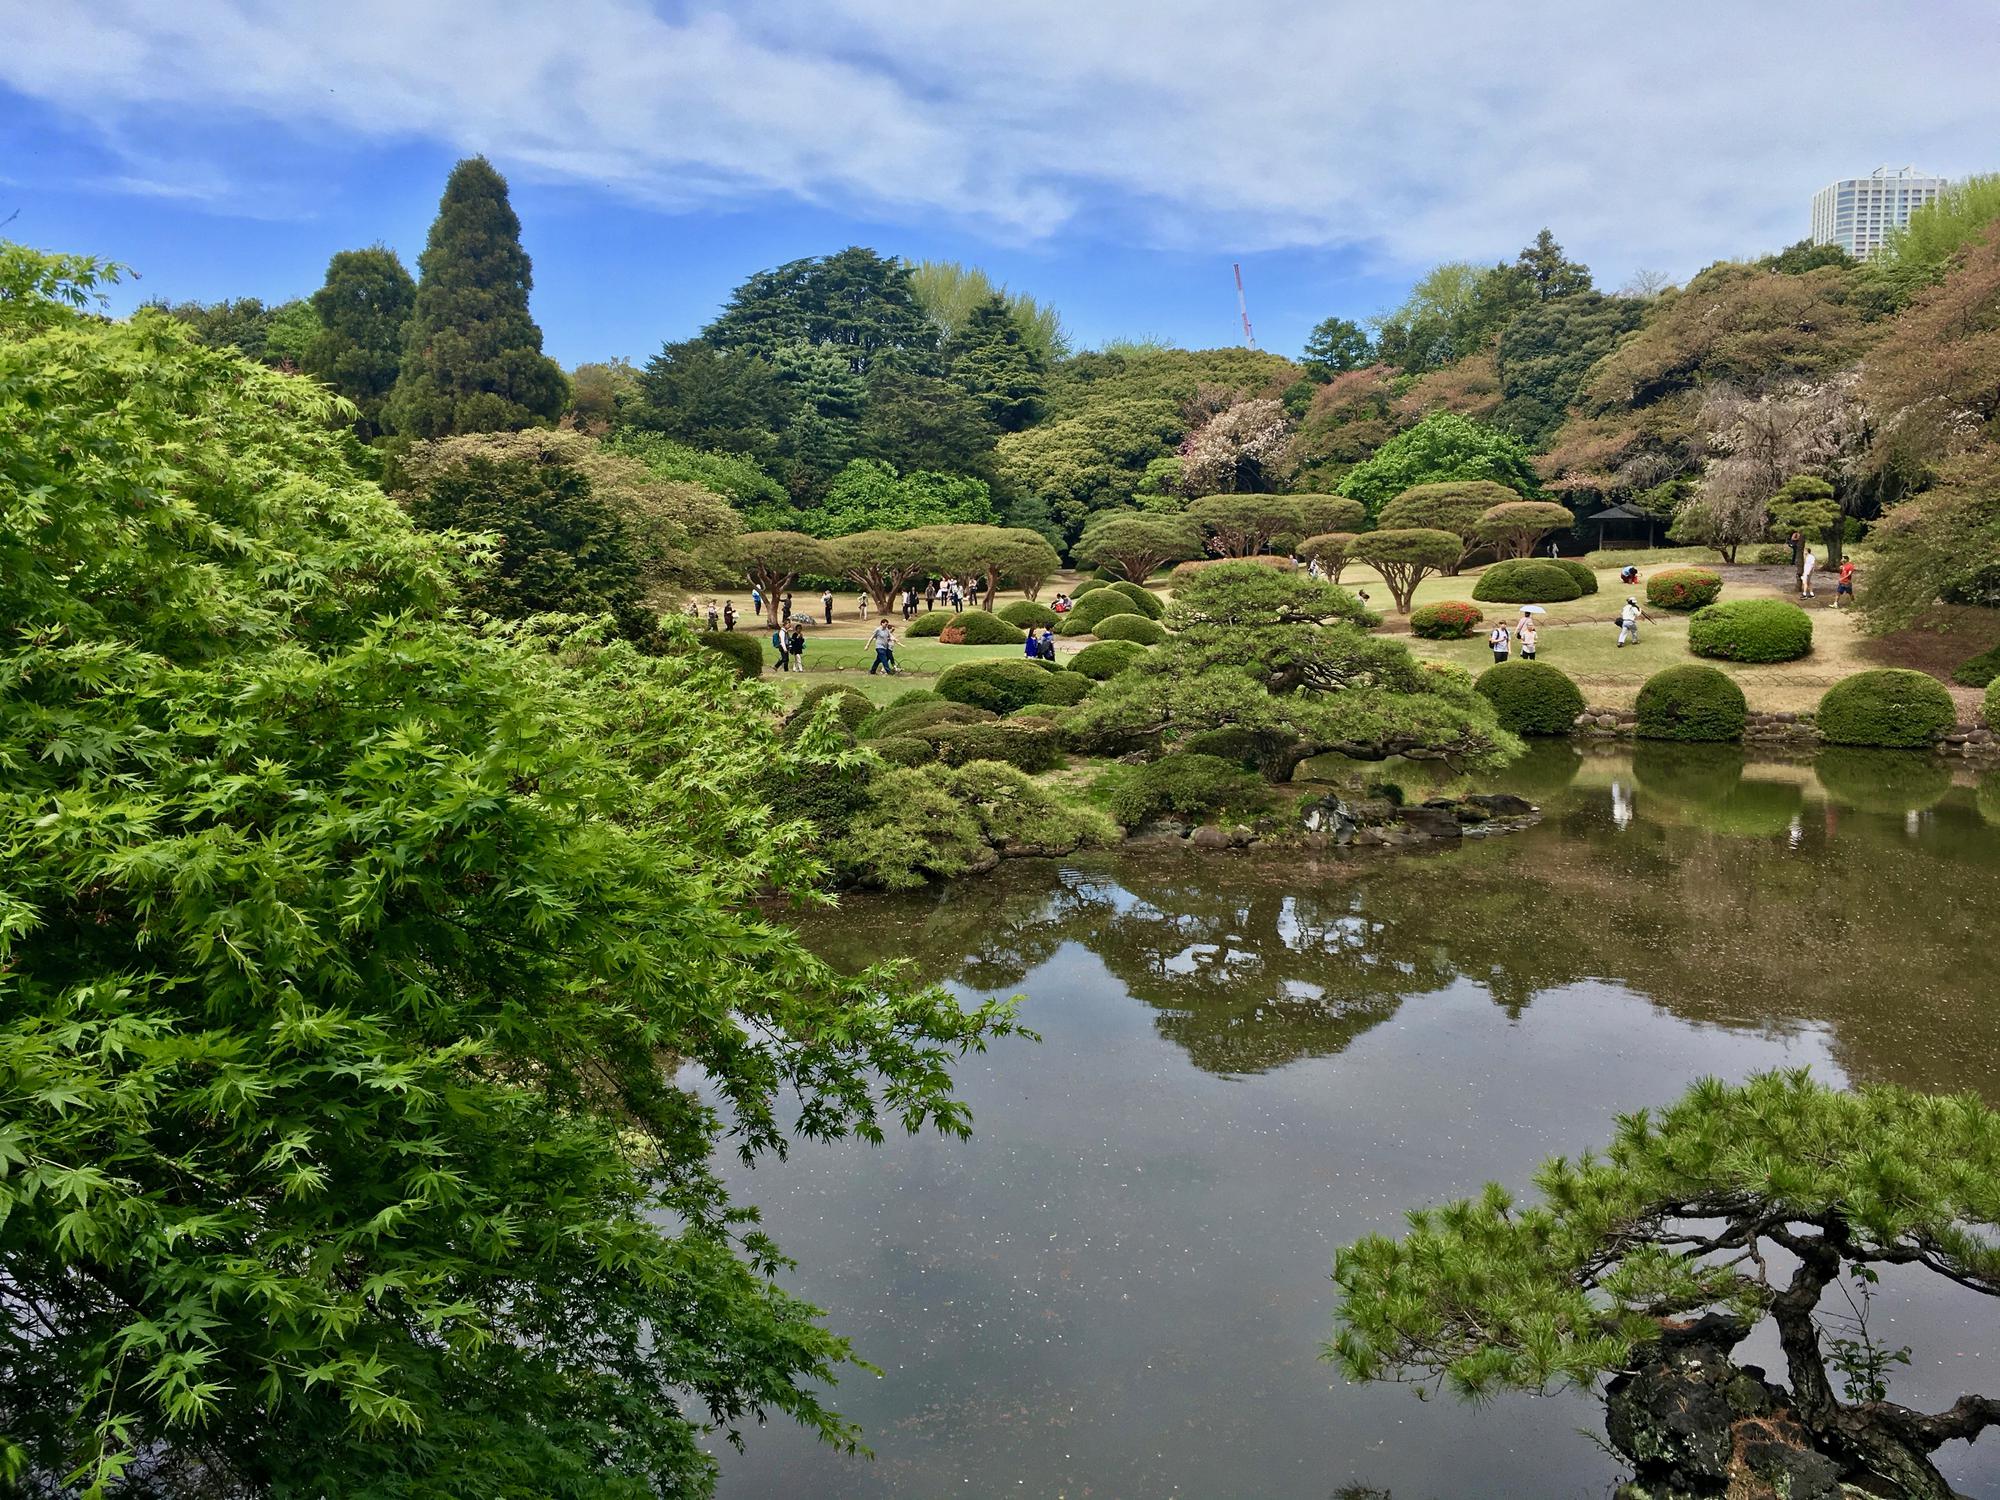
367	299
472	355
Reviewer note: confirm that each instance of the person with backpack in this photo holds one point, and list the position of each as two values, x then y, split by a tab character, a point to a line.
781	643
1046	647
1497	639
1628	620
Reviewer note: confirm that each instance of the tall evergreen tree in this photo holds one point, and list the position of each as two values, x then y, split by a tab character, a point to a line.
472	355
362	308
1550	273
858	302
993	363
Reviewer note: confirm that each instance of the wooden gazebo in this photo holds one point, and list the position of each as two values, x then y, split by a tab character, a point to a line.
1617	513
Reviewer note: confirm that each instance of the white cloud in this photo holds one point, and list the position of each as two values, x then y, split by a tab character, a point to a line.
1417	131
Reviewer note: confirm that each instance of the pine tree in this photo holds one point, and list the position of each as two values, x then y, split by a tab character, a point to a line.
472	355
993	364
362	308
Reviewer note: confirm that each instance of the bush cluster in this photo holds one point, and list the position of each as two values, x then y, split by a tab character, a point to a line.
1028	615
1683	588
930	623
1029	744
745	652
1186	783
910	713
1105	659
977	627
1754	630
1184	571
1890	707
1773	557
1531	697
1143	599
1003	684
1526	580
1585	576
1691	703
1131	628
1447	620
1991	706
1979	670
855	708
1089	613
1088	585
904	750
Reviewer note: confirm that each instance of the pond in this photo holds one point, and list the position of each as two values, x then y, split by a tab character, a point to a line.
1120	1286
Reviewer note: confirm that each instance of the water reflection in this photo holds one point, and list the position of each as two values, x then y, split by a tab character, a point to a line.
1119	1286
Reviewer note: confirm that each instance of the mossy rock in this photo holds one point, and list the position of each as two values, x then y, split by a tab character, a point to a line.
928	624
1028	615
1131	628
1889	708
1691	704
1751	630
1106	658
1526	580
1531	697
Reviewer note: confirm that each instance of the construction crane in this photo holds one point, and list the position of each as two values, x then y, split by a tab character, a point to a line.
1243	309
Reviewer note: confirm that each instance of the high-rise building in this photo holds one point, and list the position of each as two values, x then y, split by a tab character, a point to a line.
1857	213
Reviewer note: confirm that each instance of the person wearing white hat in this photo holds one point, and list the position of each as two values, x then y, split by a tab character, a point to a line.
1628	620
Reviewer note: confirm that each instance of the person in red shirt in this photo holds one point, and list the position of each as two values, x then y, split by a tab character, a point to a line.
1846	586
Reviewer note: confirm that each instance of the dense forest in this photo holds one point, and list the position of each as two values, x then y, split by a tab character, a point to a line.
856	393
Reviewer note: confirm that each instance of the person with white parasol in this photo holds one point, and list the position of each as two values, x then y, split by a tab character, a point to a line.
1525	632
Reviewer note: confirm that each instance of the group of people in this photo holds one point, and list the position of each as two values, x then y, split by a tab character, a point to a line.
1040	645
1524	635
1805	564
788	639
723	618
948	593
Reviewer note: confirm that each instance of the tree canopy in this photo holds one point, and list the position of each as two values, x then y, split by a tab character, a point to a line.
1137	544
1442	446
358	346
346	953
1669	1235
472	354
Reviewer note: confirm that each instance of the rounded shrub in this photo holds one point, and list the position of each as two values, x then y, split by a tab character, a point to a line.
1131	628
1149	603
1889	707
1773	557
903	717
1186	783
977	627
1691	703
1000	685
1105	659
1089	585
1447	620
1990	707
1526	580
903	750
1090	613
854	707
745	652
1028	615
1683	588
1756	630
1027	744
1531	697
931	623
1585	576
1978	671
1061	689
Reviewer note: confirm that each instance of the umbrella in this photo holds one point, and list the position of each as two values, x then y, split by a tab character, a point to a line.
1533	609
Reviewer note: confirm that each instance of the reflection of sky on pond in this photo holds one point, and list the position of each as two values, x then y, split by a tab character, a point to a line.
1119	1286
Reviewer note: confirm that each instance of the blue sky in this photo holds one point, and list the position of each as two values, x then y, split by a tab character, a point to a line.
1114	158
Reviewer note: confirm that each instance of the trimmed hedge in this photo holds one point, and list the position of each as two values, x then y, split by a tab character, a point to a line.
1105	659
855	707
1447	620
1002	685
1585	576
1773	557
1683	588
1890	707
1086	587
1030	745
931	623
1526	580
904	750
902	717
1094	611
1026	614
1979	670
745	652
1131	628
1149	603
1061	689
1531	697
1758	630
1185	783
1691	703
978	627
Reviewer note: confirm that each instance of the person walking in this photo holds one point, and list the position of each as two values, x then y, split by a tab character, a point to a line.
729	614
1845	588
795	642
884	642
861	605
756	600
1524	637
826	604
1806	566
1628	620
714	617
785	604
781	643
1497	639
930	593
